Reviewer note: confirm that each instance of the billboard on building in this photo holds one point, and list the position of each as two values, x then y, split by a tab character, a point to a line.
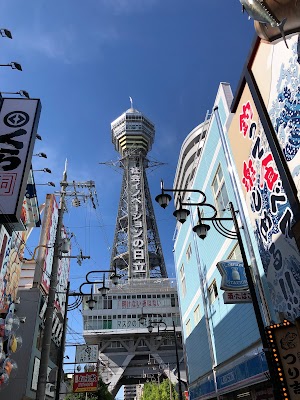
268	206
18	125
276	71
46	253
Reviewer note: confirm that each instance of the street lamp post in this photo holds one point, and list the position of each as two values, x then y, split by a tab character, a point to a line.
91	303
201	230
150	329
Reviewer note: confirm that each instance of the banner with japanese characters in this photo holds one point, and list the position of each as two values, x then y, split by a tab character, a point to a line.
283	340
85	382
278	81
268	207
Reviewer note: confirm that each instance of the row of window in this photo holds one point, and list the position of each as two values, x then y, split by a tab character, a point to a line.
235	254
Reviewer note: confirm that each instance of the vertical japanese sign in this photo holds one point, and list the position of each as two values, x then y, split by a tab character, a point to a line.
269	210
45	255
18	125
137	234
285	349
278	80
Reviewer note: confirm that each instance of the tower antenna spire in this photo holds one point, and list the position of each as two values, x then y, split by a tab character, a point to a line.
131	102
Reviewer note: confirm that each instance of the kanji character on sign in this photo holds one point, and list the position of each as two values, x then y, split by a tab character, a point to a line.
249	175
245	117
268	171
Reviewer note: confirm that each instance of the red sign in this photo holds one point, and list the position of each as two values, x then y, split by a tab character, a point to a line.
85	382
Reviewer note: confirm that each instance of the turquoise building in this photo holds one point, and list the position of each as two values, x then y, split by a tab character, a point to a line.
222	344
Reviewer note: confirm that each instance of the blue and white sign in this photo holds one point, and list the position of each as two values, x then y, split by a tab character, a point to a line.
233	275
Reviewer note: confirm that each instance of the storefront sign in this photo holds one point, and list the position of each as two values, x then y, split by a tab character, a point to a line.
285	349
235	297
85	382
87	353
18	125
233	275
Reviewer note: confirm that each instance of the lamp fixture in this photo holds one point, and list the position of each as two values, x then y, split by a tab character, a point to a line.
43	170
22	93
13	65
39	137
115	278
43	155
91	302
45	184
103	289
5	33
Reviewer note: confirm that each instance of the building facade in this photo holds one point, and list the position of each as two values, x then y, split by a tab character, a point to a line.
222	343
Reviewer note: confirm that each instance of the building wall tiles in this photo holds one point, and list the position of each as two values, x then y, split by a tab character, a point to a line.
235	332
197	351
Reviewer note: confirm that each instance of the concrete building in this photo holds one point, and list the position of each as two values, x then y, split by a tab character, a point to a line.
222	343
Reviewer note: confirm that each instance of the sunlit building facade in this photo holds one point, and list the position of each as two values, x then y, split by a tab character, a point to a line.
222	343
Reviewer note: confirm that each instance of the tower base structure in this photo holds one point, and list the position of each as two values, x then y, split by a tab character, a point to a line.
128	353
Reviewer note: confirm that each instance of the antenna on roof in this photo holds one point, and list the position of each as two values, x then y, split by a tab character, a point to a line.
130	99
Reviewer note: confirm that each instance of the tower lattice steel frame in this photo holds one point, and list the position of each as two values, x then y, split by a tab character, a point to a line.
137	251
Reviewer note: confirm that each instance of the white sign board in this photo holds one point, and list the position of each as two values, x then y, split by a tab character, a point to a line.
234	297
86	353
18	125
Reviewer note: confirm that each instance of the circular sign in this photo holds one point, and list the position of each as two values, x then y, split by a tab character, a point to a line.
16	119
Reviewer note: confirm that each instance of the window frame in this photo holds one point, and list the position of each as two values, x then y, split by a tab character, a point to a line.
218	194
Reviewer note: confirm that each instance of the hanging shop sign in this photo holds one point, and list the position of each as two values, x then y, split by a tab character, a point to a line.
85	382
18	125
233	275
284	343
234	297
87	353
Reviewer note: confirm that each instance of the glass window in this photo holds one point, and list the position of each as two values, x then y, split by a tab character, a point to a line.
189	252
236	253
212	292
220	191
182	280
188	327
197	314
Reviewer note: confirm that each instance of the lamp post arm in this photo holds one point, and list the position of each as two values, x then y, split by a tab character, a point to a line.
188	191
97	271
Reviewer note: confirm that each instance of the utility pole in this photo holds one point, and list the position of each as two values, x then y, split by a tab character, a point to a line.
47	334
45	351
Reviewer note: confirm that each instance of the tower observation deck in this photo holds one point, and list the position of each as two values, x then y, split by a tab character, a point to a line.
137	251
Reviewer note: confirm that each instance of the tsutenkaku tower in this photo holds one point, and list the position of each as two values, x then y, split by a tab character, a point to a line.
137	252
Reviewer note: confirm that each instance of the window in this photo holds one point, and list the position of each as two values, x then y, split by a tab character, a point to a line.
182	280
188	327
220	191
212	292
236	253
197	314
189	252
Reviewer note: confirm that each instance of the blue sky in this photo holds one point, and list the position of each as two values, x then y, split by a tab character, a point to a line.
84	60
